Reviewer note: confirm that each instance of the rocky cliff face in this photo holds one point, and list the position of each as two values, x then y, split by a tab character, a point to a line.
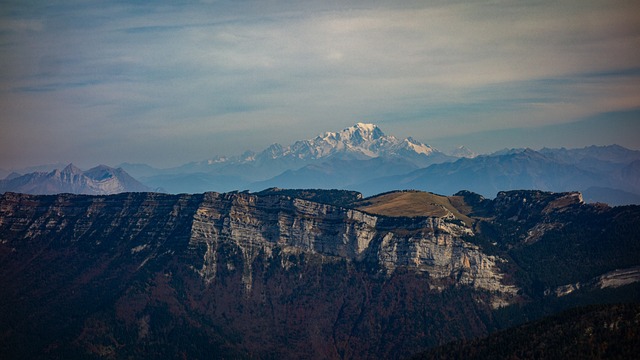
255	276
256	225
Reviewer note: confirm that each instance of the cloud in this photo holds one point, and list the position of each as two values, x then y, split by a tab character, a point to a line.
250	73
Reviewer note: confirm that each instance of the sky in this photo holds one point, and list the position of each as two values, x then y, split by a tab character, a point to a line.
169	82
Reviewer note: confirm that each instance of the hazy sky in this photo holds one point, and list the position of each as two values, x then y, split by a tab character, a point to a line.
95	82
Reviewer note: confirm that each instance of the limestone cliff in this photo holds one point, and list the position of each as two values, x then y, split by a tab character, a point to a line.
258	224
239	275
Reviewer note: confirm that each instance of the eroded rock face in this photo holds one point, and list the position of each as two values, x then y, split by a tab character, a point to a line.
256	225
108	276
612	279
246	274
243	275
527	205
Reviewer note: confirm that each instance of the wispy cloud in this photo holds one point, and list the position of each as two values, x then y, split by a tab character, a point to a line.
170	83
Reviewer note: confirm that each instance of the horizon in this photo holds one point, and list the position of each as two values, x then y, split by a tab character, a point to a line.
165	85
61	165
84	167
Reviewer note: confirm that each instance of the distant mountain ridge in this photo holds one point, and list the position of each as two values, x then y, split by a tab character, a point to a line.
357	148
612	170
100	180
363	158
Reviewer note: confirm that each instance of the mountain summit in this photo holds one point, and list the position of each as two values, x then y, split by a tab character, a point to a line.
331	160
360	141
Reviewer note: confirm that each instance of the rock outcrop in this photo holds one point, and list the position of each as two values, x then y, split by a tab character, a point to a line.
258	224
243	275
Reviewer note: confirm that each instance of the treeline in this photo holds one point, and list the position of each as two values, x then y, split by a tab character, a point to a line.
593	332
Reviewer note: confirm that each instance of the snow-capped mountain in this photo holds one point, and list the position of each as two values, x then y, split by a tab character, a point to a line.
348	150
360	141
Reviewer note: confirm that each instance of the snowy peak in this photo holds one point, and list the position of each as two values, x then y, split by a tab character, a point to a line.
366	127
361	141
272	152
360	133
416	146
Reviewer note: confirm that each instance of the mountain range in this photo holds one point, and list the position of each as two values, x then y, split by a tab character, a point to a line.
364	159
363	150
599	172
